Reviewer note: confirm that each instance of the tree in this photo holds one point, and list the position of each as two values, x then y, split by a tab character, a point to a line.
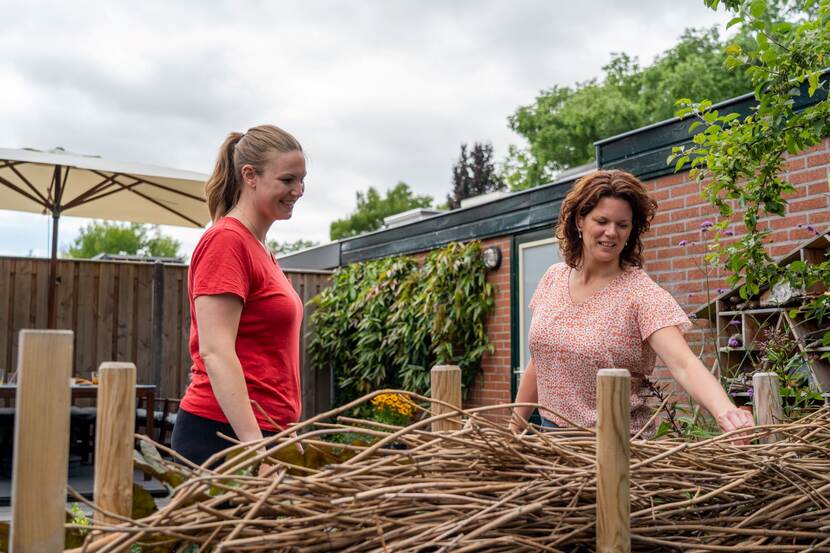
740	157
127	238
371	209
474	174
563	123
285	248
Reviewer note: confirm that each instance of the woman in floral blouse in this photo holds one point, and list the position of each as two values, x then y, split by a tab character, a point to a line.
599	309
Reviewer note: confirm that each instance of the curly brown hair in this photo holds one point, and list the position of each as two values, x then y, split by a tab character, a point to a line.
584	197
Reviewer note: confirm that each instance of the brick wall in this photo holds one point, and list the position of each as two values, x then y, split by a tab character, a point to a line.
677	242
493	385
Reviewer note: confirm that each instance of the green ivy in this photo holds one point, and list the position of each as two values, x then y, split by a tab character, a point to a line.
386	323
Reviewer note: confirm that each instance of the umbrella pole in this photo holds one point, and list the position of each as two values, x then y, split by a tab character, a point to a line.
56	194
53	271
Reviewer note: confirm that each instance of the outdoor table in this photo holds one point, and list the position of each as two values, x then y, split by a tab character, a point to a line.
83	391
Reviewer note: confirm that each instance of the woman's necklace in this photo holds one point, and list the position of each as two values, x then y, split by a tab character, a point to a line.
251	228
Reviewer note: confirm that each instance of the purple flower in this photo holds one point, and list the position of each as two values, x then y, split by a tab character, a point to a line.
692	316
682	243
706	225
799	225
729	232
735	322
732	343
751	392
811	228
721	290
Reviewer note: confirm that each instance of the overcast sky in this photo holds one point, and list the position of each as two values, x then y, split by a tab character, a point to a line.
377	91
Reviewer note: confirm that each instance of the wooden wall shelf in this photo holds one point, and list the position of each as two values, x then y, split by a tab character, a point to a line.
743	327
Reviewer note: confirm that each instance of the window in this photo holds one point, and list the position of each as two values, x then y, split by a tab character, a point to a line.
534	259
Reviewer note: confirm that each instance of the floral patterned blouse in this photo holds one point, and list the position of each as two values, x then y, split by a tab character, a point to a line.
570	342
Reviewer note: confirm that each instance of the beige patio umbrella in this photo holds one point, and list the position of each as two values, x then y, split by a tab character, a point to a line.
59	182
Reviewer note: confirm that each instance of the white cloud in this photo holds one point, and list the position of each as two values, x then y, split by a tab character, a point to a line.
377	91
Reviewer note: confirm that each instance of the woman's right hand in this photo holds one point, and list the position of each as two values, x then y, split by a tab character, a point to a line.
527	393
266	470
516	426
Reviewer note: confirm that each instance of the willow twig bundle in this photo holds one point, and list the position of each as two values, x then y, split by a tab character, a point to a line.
481	488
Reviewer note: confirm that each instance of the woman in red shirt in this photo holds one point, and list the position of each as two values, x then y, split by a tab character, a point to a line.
245	315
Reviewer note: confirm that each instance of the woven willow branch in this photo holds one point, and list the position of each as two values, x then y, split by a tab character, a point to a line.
482	488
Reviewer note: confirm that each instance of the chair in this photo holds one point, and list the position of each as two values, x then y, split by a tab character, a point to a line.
168	420
6	441
82	432
141	417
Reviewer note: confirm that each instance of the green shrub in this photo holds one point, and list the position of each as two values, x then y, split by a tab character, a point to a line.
385	323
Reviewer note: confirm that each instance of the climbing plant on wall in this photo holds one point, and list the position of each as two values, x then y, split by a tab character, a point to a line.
386	323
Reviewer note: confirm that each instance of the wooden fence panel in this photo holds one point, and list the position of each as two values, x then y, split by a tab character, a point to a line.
142	324
109	306
316	384
6	328
106	314
124	343
67	307
86	331
40	298
171	335
21	301
185	359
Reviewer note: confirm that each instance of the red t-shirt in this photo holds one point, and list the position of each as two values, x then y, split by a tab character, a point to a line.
230	260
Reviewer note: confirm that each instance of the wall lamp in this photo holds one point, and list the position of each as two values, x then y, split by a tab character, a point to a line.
491	257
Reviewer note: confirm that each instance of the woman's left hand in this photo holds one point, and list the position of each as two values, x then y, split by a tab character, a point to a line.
734	419
668	343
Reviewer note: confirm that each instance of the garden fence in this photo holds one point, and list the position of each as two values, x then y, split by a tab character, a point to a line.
127	311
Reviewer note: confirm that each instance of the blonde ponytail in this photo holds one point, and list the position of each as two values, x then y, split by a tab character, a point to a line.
222	188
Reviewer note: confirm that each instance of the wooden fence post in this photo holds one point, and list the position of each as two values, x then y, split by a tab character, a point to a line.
766	401
114	440
41	441
613	454
446	387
